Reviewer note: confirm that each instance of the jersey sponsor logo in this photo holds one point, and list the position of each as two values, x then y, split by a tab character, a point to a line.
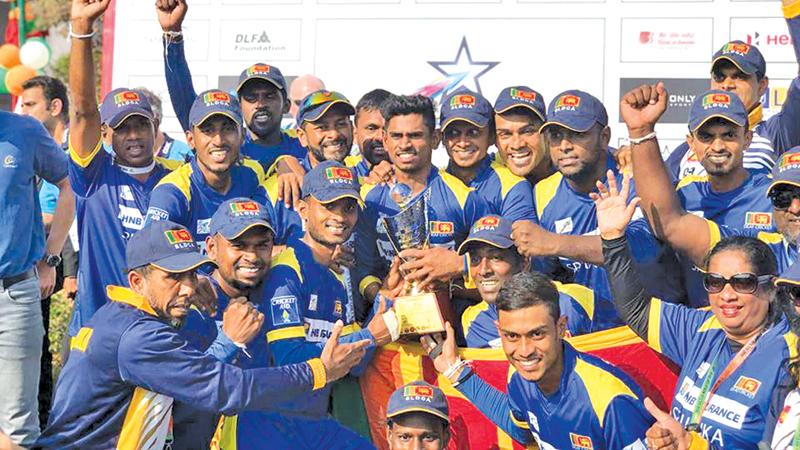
337	308
338	175
126	193
580	442
464	101
737	48
757	220
533	420
203	226
312	303
317	330
486	223
258	69
789	161
567	102
418	393
10	162
746	386
216	98
156	214
130	217
127	98
525	96
716	101
720	409
441	228
284	310
244	208
564	226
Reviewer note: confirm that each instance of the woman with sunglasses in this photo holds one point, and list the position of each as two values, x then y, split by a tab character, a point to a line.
731	357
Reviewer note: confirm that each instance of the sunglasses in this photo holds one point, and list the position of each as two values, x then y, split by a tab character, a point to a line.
782	198
743	283
321	97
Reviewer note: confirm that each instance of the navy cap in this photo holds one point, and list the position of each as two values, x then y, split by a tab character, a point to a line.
213	102
521	96
418	396
492	230
317	103
330	181
122	103
787	170
576	110
166	245
261	71
789	277
717	104
746	57
237	215
463	104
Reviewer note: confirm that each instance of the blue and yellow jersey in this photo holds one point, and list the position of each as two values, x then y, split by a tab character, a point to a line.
562	210
575	301
359	165
596	407
267	155
452	208
287	222
745	208
125	368
184	196
301	302
506	194
695	341
110	206
785	251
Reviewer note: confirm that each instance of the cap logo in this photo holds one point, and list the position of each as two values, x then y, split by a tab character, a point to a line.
746	386
258	69
244	208
716	101
179	238
126	98
216	98
487	223
462	101
441	228
419	393
526	96
338	175
580	442
789	161
568	102
738	48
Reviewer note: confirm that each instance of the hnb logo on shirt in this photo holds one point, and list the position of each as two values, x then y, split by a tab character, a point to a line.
580	442
418	393
716	101
746	386
464	101
525	96
568	103
757	220
441	228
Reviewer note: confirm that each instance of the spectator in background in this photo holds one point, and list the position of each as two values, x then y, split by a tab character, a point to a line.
45	99
300	88
417	417
165	146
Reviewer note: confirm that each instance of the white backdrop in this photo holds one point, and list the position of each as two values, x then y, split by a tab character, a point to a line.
404	45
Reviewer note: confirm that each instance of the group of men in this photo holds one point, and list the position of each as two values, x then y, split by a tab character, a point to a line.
230	293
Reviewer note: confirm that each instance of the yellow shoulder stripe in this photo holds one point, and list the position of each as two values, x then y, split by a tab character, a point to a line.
180	178
255	166
507	179
225	435
714	235
583	295
292	133
459	189
286	333
169	164
791	10
124	295
518	422
654	325
366	189
601	386
271	186
712	323
470	314
791	344
288	258
84	161
81	340
689	179
353	160
544	192
770	238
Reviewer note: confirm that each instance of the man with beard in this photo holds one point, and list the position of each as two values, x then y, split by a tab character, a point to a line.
467	124
368	135
557	396
261	90
191	194
302	300
519	113
493	260
111	190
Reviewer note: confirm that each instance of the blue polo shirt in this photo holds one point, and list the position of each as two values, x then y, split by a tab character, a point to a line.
26	151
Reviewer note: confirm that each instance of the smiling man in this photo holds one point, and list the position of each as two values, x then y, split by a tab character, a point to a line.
369	133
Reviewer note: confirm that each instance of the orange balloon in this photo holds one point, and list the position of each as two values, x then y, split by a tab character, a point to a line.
9	55
17	76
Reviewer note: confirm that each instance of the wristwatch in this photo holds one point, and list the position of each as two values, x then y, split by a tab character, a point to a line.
52	260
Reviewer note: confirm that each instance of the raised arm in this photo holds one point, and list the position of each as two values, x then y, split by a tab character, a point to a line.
179	78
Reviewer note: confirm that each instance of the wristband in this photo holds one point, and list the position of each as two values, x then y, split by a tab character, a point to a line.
80	36
454	369
390	319
646	137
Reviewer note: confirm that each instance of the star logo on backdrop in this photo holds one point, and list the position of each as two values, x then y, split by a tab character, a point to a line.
465	67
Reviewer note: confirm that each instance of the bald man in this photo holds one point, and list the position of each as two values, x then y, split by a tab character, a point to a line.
300	87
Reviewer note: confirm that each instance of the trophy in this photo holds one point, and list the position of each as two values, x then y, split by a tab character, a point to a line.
418	312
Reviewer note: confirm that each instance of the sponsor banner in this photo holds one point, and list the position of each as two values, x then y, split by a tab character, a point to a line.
682	92
775	96
770	35
147	45
666	40
259	40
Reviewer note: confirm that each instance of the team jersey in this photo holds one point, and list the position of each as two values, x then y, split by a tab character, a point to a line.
575	301
785	252
184	196
359	165
562	210
596	407
301	302
451	209
110	206
785	426
506	194
745	208
127	365
695	341
267	155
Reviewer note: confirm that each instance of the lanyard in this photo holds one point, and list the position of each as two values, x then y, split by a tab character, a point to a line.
705	393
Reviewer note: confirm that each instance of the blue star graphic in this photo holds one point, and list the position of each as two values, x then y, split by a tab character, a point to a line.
465	67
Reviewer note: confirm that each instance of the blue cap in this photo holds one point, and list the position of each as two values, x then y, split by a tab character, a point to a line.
789	277
520	96
787	170
261	71
717	104
237	215
213	102
492	230
576	110
122	103
418	396
317	103
463	104
330	181
166	245
744	56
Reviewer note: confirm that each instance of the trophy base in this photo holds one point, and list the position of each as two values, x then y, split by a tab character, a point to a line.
419	314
